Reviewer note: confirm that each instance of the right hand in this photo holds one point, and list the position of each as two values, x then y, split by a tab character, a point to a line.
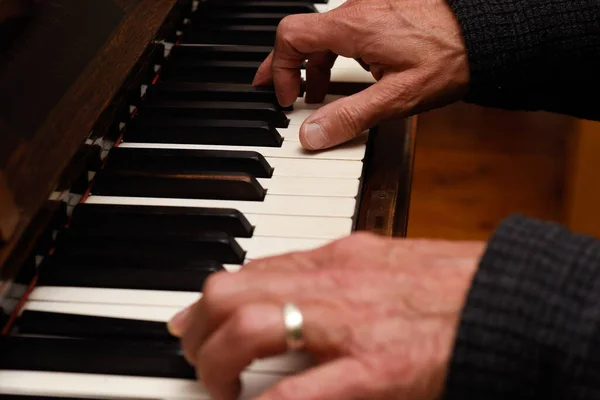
413	48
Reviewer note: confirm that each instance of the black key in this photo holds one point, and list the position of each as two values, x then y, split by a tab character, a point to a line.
126	277
148	250
256	35
218	186
87	326
246	111
287	7
197	91
241	72
184	161
238	18
95	356
197	131
133	220
219	53
69	258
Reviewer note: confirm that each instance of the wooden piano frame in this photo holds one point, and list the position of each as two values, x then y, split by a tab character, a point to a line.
56	155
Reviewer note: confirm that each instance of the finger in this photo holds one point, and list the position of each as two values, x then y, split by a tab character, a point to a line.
294	43
179	322
342	378
263	76
318	74
348	117
254	331
289	262
225	293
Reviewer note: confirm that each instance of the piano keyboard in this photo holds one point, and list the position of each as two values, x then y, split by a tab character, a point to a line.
208	176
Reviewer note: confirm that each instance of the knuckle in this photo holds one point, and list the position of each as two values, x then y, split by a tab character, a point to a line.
214	286
350	118
286	30
245	323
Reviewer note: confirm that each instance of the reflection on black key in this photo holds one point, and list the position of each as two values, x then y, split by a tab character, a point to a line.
216	186
211	71
197	131
134	220
181	53
258	35
197	91
185	161
87	326
248	111
288	7
125	277
95	356
152	249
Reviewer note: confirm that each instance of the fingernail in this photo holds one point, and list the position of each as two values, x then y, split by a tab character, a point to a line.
178	322
314	136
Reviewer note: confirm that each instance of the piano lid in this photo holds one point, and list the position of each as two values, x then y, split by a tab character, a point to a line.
60	68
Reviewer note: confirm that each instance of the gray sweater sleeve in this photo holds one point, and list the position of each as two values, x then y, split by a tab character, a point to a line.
531	326
533	54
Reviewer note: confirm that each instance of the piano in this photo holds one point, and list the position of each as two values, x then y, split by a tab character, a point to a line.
135	160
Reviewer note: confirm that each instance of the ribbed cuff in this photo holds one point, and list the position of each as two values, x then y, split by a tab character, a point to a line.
529	329
531	54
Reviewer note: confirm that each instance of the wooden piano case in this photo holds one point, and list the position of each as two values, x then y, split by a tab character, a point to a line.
68	75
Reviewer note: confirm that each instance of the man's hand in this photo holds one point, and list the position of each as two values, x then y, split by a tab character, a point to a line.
379	314
414	48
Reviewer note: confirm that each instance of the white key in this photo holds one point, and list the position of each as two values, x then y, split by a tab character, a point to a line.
321	7
353	150
61	384
155	298
260	247
332	4
347	70
347	75
315	167
305	186
128	311
343	207
293	226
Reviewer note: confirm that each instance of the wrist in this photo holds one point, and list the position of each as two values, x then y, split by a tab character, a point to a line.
523	322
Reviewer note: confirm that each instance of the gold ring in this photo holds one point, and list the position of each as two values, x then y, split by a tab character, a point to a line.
292	318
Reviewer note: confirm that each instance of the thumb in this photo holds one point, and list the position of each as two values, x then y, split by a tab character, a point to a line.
348	117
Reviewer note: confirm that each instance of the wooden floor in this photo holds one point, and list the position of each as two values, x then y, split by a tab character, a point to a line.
474	166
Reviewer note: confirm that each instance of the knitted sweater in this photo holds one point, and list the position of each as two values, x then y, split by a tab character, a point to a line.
530	328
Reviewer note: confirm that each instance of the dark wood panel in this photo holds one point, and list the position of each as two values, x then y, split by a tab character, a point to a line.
9	214
36	161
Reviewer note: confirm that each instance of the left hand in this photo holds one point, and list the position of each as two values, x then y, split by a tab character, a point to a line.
380	315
